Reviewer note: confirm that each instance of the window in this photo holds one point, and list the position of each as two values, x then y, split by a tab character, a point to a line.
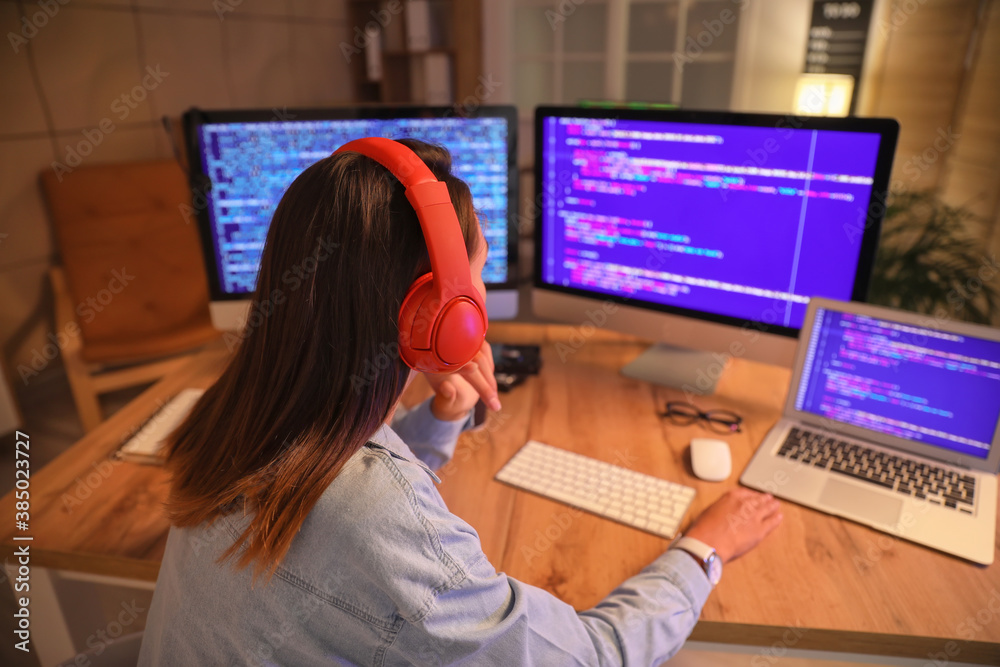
674	51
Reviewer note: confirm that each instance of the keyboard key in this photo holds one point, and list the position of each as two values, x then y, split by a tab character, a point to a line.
957	498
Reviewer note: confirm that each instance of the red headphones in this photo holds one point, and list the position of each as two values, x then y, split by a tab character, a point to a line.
442	321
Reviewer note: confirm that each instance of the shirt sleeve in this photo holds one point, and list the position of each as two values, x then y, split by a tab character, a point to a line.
465	612
491	618
430	439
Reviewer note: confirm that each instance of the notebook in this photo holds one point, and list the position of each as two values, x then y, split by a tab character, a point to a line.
892	420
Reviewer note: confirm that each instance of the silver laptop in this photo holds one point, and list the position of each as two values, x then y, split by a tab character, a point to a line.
892	420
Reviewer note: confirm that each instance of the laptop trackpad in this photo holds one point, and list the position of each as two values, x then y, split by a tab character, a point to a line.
861	502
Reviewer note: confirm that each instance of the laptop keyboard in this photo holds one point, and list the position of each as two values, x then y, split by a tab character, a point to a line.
948	488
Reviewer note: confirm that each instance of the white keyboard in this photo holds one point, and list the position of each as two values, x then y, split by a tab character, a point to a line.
641	501
146	444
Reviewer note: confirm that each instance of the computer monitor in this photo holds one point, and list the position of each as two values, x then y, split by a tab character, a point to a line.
706	231
242	161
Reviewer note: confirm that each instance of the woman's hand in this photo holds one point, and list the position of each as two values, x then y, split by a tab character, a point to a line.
457	393
737	522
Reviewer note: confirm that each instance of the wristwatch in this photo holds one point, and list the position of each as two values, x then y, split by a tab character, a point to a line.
704	554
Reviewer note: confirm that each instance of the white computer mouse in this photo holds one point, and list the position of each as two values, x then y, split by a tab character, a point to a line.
710	459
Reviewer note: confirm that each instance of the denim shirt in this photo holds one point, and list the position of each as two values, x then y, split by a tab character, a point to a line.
381	573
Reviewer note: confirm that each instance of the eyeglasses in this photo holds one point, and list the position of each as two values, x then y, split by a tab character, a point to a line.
720	421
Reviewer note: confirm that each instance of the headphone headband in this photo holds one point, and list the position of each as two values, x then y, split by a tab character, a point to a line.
435	211
442	321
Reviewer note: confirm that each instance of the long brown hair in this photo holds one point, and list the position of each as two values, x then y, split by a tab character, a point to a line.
316	371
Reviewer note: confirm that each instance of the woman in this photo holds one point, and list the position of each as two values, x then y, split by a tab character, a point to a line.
307	530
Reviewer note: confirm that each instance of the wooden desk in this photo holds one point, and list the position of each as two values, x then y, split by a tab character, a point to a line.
818	582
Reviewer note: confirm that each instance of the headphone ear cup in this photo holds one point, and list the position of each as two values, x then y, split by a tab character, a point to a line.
438	340
433	336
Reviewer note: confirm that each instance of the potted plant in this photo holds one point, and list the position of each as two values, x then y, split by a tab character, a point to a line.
930	260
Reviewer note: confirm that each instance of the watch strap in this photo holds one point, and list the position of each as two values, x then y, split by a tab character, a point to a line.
704	554
694	547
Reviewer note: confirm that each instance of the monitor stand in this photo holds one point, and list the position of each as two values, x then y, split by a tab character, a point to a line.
691	371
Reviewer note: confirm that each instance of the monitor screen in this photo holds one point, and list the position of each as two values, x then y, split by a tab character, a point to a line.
915	382
730	218
242	162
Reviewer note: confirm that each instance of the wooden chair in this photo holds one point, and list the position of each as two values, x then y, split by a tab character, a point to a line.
131	295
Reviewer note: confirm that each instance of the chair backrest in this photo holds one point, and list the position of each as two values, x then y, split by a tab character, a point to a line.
132	257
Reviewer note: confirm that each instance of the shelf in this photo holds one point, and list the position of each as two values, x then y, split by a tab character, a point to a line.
406	75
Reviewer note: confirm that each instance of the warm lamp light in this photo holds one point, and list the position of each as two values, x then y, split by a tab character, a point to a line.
823	94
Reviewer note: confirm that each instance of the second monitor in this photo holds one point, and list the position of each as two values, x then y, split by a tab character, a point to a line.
706	231
243	160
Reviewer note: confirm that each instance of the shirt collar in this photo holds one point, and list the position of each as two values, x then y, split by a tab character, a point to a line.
386	439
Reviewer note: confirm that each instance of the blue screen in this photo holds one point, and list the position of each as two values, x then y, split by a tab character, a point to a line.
251	165
909	381
737	221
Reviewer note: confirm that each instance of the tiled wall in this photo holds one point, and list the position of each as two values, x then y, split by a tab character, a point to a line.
65	70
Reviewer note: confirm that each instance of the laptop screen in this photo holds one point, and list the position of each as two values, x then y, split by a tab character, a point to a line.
914	382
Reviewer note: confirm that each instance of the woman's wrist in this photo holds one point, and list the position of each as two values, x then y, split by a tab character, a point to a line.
442	411
713	539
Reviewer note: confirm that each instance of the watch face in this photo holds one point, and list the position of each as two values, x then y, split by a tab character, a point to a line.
714	569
